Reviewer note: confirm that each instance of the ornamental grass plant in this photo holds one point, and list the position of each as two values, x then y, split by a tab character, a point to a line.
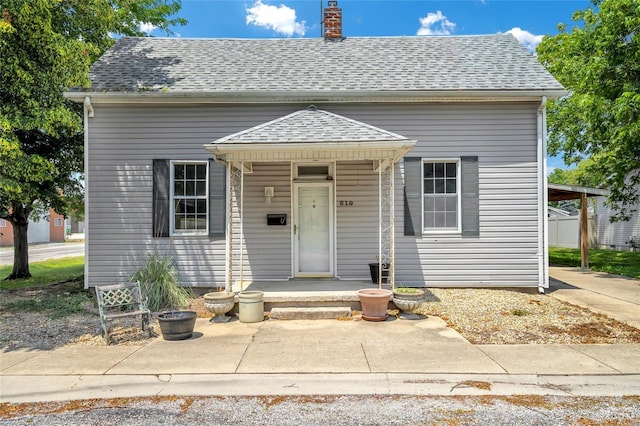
160	284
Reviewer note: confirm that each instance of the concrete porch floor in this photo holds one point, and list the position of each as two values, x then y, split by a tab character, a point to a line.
309	292
308	284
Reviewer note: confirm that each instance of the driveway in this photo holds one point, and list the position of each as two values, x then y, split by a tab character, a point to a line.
611	295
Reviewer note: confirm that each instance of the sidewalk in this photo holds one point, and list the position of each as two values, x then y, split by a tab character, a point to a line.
321	357
329	357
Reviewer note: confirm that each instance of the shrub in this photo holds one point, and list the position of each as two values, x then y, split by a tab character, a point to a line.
160	284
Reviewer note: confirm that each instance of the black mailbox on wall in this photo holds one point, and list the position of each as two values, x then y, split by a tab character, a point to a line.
277	219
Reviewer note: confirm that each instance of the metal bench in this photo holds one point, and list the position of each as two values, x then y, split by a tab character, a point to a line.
121	300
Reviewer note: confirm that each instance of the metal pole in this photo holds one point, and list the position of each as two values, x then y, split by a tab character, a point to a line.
321	19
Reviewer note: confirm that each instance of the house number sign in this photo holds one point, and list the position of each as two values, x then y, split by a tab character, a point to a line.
345	203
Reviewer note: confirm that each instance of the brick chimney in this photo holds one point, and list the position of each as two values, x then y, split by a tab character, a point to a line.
333	22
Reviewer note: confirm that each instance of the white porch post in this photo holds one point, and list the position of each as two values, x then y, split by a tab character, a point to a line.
228	281
386	234
235	197
241	214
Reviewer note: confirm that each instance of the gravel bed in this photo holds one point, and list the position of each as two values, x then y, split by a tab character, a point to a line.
331	410
482	316
509	316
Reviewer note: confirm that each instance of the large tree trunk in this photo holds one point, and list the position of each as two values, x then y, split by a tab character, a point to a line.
20	222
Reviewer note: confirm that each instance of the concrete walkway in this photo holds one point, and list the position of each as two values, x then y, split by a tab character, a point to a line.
611	295
331	357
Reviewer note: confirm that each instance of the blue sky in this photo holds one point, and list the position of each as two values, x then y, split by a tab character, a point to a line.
528	20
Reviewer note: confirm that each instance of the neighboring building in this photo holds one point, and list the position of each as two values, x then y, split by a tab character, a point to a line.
49	229
287	158
617	235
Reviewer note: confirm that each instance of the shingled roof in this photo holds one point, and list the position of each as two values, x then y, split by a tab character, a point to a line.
311	65
312	125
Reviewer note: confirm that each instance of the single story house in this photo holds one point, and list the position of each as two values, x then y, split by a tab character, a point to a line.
276	159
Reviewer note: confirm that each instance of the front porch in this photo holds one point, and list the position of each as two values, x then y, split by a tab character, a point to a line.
309	293
325	184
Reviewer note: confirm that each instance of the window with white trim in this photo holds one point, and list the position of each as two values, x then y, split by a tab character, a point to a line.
57	221
3	223
441	195
189	196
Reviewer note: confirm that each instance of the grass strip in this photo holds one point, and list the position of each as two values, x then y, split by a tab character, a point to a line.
45	273
626	263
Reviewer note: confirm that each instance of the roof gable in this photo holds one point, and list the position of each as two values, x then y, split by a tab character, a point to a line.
312	65
312	134
311	125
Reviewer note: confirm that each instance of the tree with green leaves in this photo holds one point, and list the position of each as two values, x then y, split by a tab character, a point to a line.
47	46
598	61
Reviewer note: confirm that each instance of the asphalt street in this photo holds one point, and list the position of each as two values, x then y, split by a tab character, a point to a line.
39	252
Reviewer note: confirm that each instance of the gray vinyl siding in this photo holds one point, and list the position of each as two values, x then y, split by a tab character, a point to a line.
267	249
125	139
503	136
357	225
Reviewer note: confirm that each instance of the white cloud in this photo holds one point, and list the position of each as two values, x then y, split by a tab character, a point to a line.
436	24
281	19
528	40
146	27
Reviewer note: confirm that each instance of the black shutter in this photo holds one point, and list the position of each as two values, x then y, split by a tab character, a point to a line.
217	199
470	197
412	196
161	182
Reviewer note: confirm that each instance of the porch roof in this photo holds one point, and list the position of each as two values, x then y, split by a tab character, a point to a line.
311	134
559	192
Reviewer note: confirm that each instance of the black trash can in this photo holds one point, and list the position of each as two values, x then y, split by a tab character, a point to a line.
373	269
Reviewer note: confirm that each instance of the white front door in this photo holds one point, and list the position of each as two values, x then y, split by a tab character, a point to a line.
313	229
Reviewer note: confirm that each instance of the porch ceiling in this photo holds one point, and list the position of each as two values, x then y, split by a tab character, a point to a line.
311	134
559	192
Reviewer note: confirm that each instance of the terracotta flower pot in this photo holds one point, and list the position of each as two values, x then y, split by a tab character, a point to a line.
374	303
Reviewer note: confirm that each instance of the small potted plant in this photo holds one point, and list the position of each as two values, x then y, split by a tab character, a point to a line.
374	270
162	290
408	299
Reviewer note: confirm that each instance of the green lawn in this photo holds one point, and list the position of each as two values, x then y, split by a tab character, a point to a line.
45	273
625	263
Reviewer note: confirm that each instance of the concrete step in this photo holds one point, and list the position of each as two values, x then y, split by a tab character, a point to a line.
310	313
311	299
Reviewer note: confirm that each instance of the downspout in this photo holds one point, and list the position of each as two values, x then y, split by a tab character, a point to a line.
543	198
88	113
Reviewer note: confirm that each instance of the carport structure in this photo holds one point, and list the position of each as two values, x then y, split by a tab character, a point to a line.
559	192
